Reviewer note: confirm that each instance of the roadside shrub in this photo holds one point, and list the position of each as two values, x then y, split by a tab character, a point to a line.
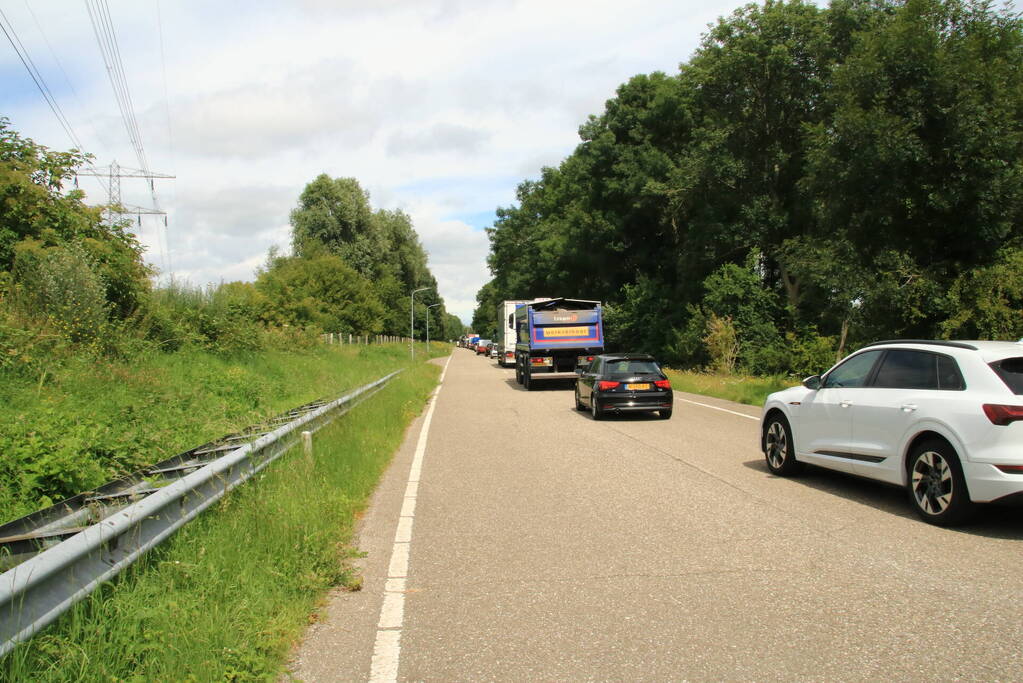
722	343
224	319
809	352
292	338
986	303
62	285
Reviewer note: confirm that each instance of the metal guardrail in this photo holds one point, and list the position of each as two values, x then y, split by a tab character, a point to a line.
63	553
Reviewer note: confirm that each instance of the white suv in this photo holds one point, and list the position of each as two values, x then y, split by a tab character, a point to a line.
942	418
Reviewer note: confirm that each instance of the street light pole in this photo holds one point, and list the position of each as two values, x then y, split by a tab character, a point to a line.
428	328
412	320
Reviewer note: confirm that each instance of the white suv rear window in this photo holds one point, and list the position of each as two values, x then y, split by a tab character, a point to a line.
1010	370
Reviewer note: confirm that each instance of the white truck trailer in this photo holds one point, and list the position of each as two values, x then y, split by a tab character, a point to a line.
505	339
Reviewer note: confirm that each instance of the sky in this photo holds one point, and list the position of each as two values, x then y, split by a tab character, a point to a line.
438	108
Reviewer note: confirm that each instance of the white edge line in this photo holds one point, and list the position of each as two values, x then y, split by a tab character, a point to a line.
387	648
723	410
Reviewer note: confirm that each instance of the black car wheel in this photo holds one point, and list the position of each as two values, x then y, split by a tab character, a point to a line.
595	408
779	449
936	484
664	414
578	404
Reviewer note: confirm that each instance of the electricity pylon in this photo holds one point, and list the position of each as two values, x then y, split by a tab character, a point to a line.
114	174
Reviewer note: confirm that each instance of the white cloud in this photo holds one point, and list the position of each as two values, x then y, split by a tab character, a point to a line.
437	108
441	138
457	258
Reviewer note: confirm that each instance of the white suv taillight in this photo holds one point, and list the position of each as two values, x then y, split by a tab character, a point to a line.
1002	415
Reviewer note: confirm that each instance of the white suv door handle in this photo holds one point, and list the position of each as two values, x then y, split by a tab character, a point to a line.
908	407
845	404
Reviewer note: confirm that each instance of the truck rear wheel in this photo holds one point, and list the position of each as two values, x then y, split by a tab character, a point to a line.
527	380
518	373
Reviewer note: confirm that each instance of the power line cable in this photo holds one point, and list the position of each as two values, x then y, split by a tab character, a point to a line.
169	263
40	82
106	38
37	78
124	85
53	54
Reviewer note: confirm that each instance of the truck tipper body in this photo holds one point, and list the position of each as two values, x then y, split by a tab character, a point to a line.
554	337
506	339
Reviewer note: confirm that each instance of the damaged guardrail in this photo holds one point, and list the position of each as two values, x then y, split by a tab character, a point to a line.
60	555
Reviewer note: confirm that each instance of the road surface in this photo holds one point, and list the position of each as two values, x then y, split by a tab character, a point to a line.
542	545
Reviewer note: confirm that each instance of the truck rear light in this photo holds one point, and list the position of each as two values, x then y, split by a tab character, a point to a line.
509	354
663	383
1011	469
1002	415
604	385
545	360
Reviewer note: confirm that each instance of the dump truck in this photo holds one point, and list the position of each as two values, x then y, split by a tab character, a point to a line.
554	337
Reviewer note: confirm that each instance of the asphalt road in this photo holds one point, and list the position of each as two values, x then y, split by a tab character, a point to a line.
547	546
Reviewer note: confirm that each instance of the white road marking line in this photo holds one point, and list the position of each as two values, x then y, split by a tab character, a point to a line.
408	508
404	533
387	648
723	410
385	656
392	613
398	567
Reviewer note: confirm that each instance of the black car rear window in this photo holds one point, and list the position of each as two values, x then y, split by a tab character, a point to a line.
631	367
1010	370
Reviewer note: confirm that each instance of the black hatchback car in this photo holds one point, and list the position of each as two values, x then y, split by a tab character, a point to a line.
621	383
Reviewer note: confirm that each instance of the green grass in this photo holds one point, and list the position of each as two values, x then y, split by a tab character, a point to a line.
91	421
739	388
230	593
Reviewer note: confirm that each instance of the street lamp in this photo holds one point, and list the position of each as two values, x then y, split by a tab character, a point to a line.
428	328
412	323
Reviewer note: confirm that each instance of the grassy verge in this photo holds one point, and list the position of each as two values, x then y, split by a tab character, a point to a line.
91	421
739	388
227	596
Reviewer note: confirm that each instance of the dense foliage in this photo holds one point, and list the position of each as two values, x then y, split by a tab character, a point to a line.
73	284
84	335
811	179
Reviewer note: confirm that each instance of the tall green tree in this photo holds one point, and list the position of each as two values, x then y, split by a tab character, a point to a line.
867	152
334	215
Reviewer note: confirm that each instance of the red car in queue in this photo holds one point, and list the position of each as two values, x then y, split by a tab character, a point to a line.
624	383
483	347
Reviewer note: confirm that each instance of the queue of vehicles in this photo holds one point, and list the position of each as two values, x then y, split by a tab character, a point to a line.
942	419
547	339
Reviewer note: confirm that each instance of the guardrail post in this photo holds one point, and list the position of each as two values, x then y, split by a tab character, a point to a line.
307	445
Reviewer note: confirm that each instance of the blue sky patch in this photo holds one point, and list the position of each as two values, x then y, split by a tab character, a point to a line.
477	220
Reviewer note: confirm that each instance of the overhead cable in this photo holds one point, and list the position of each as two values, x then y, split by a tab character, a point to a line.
106	38
40	82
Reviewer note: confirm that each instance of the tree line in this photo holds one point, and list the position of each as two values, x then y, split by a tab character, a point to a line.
72	282
812	179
